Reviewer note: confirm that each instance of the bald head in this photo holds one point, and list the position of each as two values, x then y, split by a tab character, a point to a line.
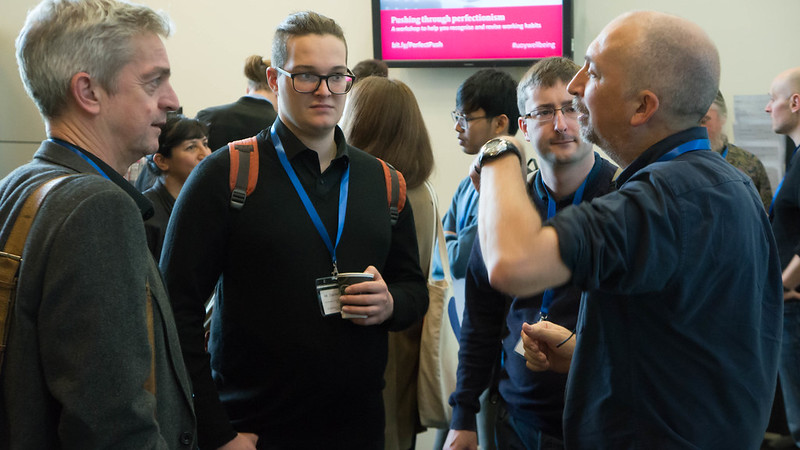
784	104
787	82
673	58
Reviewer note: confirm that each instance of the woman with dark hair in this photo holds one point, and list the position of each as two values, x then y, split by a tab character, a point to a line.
183	143
382	117
246	116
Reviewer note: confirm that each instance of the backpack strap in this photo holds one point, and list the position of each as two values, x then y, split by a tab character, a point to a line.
11	257
244	170
395	190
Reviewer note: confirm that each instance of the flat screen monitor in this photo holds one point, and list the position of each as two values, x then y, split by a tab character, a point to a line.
453	33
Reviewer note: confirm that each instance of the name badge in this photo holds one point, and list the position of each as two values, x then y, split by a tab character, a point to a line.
519	348
328	295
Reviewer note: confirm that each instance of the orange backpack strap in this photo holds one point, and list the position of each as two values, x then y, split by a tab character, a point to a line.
395	190
11	257
244	170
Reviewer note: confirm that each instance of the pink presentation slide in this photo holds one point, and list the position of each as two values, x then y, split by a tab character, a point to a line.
472	33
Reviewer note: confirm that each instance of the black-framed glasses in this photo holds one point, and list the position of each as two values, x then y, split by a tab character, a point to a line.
463	121
307	83
547	114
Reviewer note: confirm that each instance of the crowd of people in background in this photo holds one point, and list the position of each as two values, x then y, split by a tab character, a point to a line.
647	299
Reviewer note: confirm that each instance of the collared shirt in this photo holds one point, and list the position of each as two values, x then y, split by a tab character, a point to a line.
318	185
144	205
679	331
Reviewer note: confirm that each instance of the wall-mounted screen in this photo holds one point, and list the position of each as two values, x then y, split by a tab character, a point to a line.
425	33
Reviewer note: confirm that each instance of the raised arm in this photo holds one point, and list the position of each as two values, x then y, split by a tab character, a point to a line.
522	257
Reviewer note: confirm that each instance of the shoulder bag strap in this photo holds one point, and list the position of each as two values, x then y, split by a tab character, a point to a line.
11	257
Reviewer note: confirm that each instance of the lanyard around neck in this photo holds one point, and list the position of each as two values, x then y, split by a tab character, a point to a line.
312	212
78	152
549	294
686	147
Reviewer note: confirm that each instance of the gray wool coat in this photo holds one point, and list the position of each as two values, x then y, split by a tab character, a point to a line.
79	353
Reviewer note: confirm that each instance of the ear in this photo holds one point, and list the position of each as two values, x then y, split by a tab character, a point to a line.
272	79
500	124
86	92
523	126
794	102
161	161
648	105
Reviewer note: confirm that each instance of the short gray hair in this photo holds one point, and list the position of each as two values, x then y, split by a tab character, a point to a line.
302	24
676	60
63	37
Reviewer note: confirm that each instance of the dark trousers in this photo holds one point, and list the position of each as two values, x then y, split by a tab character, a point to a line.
512	434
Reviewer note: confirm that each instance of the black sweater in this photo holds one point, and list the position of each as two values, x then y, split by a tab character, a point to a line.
280	369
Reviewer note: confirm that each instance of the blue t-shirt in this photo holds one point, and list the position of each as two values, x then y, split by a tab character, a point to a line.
461	219
679	333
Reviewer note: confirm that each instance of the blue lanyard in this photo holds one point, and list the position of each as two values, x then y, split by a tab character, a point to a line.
549	294
686	147
75	150
312	212
774	196
725	152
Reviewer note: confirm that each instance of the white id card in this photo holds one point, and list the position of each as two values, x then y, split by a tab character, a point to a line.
519	348
328	295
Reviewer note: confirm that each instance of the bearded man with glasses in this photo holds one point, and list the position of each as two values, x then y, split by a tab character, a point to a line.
530	404
283	371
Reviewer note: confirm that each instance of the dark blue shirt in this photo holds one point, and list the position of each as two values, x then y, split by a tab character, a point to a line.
786	212
532	397
679	332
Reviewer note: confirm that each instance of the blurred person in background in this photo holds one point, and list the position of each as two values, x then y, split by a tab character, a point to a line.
182	144
245	117
382	117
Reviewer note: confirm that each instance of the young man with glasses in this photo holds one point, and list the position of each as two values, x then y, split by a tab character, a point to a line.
530	403
486	107
284	370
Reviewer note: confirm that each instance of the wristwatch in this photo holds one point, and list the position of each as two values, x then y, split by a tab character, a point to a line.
494	148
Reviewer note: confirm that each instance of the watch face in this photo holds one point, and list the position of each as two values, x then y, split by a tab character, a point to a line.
495	146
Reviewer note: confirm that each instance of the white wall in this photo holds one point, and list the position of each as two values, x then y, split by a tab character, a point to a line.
212	38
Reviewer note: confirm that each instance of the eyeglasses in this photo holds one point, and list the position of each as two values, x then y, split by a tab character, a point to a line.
463	121
548	114
306	83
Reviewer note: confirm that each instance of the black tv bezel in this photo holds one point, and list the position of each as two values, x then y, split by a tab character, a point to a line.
567	46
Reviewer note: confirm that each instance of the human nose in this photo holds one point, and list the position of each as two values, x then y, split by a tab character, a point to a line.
768	107
576	86
323	88
169	101
560	120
